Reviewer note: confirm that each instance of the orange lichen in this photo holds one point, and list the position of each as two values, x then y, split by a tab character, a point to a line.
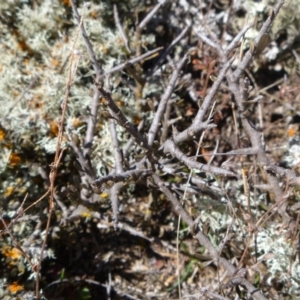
77	123
102	100
9	190
12	253
54	62
15	93
120	103
14	159
2	134
292	131
93	14
22	45
54	129
137	120
104	49
15	287
66	2
206	154
21	42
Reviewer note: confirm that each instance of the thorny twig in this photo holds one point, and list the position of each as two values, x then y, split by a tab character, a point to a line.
171	146
156	123
118	23
114	192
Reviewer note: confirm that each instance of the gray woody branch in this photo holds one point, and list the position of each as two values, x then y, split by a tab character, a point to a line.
110	180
